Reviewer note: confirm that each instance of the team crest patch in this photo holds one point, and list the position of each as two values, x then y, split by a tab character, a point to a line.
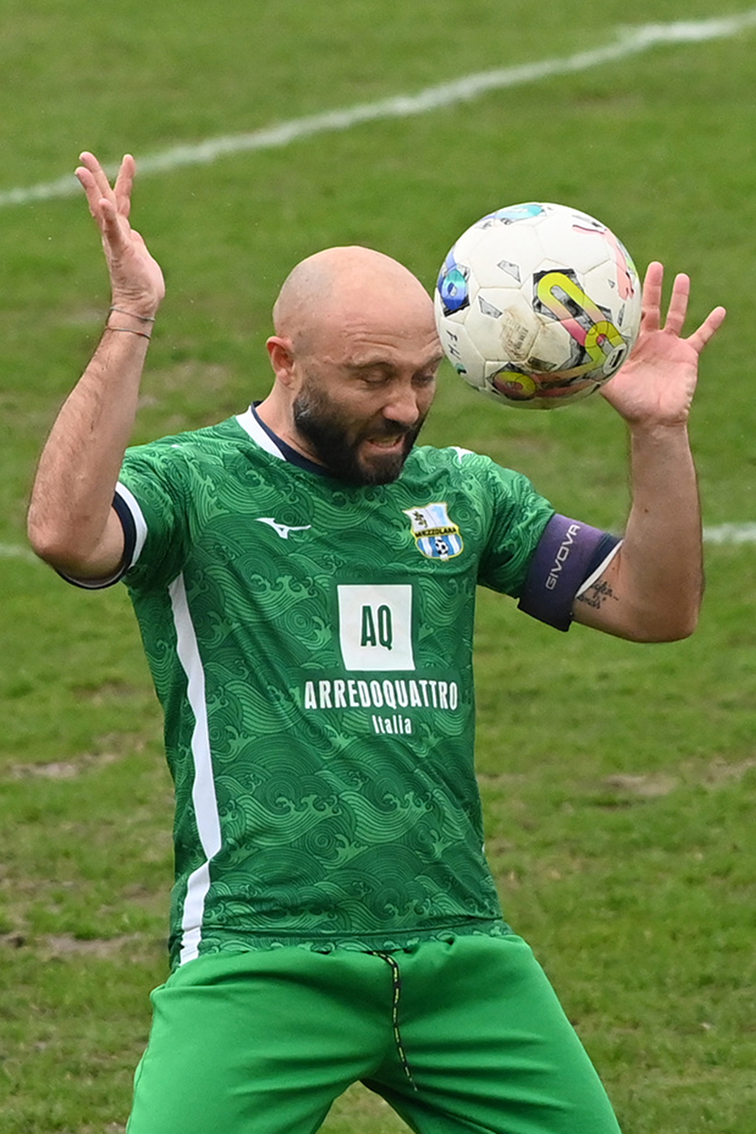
435	534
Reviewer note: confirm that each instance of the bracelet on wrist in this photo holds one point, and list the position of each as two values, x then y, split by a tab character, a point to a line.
129	331
132	314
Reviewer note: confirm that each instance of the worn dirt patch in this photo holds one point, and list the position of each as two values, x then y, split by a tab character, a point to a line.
65	944
719	773
61	769
648	786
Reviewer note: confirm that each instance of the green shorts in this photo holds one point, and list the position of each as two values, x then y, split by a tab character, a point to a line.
459	1036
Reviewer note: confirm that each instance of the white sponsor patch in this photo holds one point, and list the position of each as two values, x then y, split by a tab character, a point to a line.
375	627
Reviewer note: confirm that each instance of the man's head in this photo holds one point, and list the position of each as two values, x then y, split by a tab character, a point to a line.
355	354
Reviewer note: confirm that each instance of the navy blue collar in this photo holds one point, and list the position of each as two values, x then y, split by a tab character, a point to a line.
292	455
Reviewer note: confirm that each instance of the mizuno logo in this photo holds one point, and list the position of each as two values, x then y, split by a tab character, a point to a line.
281	529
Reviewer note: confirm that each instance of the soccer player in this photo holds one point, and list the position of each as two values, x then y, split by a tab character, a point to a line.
304	580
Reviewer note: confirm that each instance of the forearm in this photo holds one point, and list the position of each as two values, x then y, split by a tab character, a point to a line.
652	590
70	523
662	552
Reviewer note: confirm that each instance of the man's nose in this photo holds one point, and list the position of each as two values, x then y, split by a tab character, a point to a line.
402	405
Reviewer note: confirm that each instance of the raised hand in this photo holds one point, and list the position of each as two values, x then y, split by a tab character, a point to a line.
136	277
657	383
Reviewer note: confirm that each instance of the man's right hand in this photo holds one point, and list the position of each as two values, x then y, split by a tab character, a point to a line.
136	277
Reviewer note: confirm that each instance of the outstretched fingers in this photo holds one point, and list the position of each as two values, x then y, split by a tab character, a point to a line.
708	328
91	188
652	300
109	205
678	304
652	295
678	308
124	184
95	182
93	176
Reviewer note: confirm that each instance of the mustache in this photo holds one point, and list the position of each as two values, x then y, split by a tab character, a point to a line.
389	428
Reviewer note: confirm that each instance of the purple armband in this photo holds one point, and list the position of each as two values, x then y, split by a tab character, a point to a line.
568	553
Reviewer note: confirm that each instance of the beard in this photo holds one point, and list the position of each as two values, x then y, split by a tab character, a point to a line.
337	442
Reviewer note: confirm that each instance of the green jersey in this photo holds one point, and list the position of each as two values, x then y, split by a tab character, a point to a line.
311	645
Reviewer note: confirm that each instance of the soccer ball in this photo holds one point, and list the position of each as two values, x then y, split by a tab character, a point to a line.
537	305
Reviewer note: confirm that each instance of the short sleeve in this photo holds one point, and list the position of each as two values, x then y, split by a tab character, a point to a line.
537	556
518	516
152	488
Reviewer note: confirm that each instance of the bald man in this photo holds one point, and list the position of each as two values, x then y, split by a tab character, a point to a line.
304	578
355	357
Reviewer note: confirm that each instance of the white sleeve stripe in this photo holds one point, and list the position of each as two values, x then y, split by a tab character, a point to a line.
140	524
594	575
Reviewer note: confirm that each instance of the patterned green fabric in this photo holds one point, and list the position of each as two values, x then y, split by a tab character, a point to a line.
311	644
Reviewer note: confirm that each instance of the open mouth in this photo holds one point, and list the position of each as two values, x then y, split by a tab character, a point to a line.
394	442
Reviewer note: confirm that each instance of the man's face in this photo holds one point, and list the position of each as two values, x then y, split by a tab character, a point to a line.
369	453
361	412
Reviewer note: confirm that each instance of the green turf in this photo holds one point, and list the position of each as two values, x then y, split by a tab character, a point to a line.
619	781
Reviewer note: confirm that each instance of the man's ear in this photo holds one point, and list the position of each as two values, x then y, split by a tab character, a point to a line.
281	355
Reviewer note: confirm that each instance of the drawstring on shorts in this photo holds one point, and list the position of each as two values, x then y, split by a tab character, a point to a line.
396	989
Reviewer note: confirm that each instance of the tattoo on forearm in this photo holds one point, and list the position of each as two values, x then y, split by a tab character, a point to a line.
597	594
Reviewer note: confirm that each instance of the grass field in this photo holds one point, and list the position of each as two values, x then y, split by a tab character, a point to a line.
619	781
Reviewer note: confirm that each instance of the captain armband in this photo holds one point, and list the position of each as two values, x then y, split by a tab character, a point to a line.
570	556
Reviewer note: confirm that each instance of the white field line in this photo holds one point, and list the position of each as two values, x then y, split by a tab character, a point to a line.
13	551
721	534
629	41
731	533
